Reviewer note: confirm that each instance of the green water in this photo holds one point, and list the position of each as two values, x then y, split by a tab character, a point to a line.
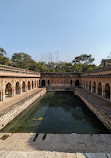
57	112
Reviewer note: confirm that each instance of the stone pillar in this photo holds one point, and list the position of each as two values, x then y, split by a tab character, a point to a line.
46	82
103	90
26	87
110	94
3	94
37	83
33	84
20	87
2	90
91	88
13	90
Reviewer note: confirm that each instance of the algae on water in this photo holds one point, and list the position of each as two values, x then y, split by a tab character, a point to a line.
40	119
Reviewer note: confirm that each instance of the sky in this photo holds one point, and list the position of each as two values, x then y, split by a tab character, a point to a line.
69	27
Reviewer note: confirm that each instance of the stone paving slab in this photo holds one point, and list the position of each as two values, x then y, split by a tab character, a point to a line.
44	154
21	145
71	143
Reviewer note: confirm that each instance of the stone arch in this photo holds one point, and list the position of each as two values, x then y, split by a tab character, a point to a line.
94	87
43	83
77	83
90	86
99	88
29	85
8	90
17	88
32	85
23	86
107	90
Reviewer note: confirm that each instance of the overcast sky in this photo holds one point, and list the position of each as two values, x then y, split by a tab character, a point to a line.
71	27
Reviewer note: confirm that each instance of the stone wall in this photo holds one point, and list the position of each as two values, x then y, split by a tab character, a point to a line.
103	115
10	113
58	81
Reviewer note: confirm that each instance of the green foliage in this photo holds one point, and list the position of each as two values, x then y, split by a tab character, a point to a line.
84	59
3	60
80	63
24	61
2	51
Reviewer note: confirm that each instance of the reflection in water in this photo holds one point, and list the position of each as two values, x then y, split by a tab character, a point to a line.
57	112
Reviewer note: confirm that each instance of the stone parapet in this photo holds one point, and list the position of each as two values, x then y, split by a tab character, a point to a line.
10	113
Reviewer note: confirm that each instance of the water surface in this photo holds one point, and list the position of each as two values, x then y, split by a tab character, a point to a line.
57	112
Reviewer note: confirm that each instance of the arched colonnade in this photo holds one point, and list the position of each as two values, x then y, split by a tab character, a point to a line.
99	86
13	87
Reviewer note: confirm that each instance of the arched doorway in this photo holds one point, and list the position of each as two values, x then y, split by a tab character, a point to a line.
32	85
48	83
71	82
99	88
29	86
94	87
107	91
43	83
8	90
23	86
84	84
77	83
17	88
89	85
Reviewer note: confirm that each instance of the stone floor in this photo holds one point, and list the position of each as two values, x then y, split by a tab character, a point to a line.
21	145
44	154
13	100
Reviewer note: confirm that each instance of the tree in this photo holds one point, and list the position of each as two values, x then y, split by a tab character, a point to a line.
83	63
2	52
3	59
23	60
84	59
